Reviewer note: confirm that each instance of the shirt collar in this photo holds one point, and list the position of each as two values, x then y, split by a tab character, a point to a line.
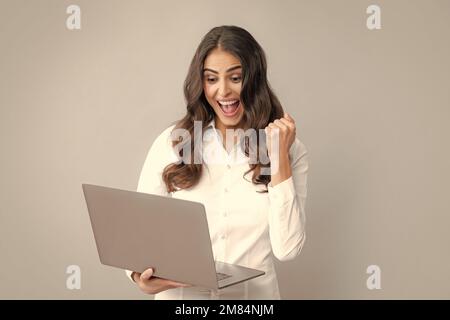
210	129
237	154
211	124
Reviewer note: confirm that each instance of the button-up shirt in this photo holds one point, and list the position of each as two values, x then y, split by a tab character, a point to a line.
246	227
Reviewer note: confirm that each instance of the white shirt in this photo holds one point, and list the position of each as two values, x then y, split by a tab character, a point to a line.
245	226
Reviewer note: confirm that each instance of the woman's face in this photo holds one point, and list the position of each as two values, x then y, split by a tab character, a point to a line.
222	81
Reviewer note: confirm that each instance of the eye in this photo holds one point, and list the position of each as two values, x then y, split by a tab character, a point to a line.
211	80
236	78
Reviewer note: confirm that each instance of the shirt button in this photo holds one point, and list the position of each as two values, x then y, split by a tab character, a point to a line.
226	190
222	237
224	214
228	166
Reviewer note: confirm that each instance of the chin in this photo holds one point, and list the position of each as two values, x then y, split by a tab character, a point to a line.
230	122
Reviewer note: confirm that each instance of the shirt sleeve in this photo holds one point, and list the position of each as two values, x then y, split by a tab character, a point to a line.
287	207
158	157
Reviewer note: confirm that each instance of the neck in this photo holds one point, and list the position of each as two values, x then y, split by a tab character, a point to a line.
222	128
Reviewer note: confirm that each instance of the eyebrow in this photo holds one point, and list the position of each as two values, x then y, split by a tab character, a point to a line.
229	69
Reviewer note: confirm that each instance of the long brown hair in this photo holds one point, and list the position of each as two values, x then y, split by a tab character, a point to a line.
261	106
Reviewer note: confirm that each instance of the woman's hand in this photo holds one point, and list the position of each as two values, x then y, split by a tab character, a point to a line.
284	130
151	285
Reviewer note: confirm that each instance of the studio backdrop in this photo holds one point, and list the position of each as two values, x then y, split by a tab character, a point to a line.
86	86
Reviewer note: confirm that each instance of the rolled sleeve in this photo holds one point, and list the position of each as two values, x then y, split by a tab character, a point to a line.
287	199
282	193
129	275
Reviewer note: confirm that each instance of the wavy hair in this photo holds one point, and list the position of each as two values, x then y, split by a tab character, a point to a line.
261	106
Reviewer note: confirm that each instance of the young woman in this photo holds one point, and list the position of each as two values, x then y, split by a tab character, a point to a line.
254	208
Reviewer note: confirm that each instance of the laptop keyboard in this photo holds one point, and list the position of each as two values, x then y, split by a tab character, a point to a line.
221	276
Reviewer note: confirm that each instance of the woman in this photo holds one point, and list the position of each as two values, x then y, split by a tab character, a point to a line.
252	211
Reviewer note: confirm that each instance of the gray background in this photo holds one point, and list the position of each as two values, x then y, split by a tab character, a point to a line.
372	107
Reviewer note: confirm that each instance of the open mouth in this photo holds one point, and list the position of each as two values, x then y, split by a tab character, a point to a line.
230	107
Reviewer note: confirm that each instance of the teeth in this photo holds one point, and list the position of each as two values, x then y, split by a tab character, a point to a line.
227	103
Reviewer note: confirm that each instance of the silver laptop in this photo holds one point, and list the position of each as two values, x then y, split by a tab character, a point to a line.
135	231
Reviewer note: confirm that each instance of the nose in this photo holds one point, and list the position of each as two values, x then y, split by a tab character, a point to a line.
224	89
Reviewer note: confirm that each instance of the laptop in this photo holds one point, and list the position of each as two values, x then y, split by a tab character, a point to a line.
136	231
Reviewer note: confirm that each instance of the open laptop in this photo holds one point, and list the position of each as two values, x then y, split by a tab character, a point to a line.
135	231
